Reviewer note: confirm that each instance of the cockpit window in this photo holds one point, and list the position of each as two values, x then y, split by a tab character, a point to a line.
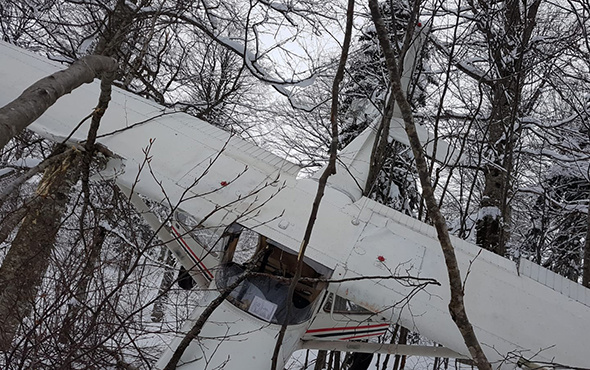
247	246
264	294
208	238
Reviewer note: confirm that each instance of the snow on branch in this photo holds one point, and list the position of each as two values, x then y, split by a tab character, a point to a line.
251	60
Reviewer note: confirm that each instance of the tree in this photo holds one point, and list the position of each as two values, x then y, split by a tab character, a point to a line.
31	249
133	35
28	258
391	178
507	50
21	112
456	305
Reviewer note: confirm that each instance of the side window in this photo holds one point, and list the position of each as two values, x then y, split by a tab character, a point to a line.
207	238
339	305
247	246
241	244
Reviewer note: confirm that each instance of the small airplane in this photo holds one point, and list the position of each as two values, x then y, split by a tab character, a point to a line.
367	266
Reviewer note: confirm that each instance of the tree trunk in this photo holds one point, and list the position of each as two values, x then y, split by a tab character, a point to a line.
35	100
393	337
11	221
456	305
27	260
400	360
23	268
320	360
586	268
167	259
93	254
379	152
115	32
507	49
360	361
329	170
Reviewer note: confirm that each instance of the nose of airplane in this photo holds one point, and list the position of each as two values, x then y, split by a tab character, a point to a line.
232	339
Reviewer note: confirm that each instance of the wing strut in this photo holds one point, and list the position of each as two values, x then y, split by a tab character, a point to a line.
393	349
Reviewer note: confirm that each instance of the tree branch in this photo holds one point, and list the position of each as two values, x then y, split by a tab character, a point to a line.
323	180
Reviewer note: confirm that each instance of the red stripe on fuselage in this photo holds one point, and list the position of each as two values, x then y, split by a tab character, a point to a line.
199	261
346	328
363	336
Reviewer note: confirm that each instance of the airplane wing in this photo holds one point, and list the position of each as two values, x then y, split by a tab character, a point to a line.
523	311
179	145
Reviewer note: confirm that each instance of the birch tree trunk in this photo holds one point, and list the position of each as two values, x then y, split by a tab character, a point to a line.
29	256
35	100
27	260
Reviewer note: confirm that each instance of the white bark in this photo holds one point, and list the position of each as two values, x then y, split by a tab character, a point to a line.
35	100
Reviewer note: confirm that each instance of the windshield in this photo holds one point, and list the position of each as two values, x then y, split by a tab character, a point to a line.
263	296
264	293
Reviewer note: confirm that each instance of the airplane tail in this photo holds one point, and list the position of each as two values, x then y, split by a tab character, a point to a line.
354	160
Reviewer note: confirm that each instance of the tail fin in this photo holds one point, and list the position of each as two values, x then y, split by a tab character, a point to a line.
411	61
354	160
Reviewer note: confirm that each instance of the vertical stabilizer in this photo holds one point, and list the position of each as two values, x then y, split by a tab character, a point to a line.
354	160
410	62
